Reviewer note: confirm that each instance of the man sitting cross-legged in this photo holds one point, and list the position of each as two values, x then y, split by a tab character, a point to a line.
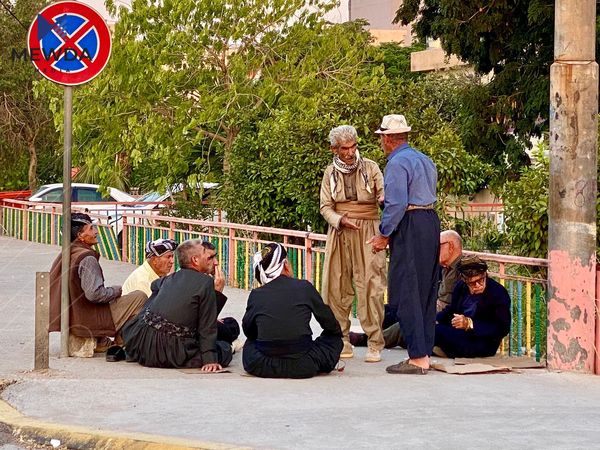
159	262
178	326
478	318
277	323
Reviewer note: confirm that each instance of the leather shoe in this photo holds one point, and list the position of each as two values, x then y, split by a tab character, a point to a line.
358	339
406	368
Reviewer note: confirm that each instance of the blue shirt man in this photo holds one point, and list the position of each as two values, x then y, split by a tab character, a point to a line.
411	227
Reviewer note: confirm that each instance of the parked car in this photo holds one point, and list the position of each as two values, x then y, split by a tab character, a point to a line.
87	197
80	193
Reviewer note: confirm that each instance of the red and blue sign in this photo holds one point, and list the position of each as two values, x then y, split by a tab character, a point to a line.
69	43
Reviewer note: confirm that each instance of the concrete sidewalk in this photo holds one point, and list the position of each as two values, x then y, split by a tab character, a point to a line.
361	407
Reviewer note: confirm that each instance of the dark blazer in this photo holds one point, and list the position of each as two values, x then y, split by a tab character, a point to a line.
491	320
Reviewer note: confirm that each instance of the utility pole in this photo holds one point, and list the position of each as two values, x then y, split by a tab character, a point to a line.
573	176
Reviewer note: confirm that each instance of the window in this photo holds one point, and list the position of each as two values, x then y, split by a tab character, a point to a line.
53	196
91	195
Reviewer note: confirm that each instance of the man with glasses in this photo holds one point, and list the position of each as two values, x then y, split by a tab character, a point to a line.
351	189
450	254
478	318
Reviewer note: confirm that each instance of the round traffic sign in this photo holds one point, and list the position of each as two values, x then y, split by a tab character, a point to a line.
69	43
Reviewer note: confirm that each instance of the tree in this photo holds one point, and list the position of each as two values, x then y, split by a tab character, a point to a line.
512	39
183	78
26	132
245	93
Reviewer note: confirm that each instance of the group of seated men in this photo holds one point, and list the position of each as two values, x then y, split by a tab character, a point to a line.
164	319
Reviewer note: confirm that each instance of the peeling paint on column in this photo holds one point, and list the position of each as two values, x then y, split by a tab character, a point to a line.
572	301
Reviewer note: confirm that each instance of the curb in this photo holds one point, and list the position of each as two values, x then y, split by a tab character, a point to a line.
78	437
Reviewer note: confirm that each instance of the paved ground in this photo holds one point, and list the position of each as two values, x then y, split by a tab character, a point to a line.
362	407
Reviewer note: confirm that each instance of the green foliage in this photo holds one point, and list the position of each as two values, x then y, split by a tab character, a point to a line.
526	208
27	139
479	234
245	93
512	39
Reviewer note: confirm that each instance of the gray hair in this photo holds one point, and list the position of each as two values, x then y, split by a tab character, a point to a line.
342	134
186	250
454	237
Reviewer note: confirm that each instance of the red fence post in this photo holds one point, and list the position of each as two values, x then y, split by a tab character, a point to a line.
308	257
597	317
125	240
231	257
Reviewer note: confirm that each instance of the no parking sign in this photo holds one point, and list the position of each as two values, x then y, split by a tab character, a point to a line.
69	43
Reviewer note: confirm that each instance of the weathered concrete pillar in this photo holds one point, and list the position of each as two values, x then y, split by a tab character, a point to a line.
572	208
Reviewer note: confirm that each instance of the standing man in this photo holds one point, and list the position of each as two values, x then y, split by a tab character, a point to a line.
350	191
412	228
159	262
450	256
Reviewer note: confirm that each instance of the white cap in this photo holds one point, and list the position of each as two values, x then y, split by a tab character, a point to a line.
393	124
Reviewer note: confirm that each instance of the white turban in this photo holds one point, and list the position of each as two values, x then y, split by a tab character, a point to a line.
275	255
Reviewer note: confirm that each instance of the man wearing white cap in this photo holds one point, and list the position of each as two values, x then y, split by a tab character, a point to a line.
411	227
159	262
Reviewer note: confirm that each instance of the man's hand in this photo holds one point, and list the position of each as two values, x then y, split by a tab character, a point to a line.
460	322
345	222
219	279
212	367
378	243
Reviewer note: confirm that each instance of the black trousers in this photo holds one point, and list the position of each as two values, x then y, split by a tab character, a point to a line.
463	344
228	329
224	356
320	358
412	278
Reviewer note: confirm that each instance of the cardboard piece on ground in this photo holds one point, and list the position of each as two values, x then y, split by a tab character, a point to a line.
196	371
514	362
465	369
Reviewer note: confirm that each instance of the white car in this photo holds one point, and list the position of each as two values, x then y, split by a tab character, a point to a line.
86	197
80	193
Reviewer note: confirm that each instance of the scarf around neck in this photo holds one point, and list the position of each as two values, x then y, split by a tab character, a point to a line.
340	167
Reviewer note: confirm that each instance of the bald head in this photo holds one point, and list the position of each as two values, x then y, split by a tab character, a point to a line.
450	247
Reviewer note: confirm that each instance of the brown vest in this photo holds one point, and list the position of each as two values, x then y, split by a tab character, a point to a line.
86	319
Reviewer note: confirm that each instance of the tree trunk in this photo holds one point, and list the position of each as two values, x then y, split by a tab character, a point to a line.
32	174
231	135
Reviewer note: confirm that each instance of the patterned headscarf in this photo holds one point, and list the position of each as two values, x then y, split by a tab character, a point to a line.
160	247
268	263
341	167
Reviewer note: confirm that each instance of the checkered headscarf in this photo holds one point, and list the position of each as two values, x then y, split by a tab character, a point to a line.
160	247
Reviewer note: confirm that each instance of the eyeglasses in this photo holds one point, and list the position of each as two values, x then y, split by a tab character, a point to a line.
474	283
442	243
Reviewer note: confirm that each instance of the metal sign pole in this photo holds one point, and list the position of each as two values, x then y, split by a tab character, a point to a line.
66	224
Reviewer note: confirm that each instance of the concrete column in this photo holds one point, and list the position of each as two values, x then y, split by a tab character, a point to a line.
572	206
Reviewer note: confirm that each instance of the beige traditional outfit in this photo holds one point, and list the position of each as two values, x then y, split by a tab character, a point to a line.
350	266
